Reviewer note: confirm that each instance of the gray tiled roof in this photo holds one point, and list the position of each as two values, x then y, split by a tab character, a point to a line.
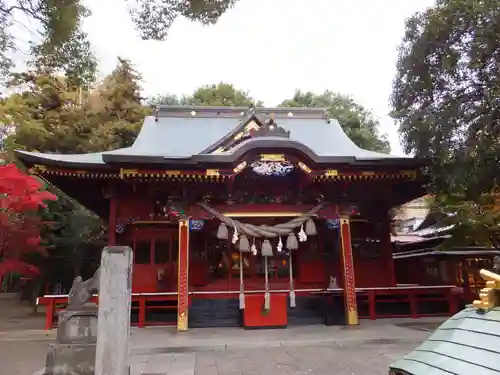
466	344
171	137
181	137
176	137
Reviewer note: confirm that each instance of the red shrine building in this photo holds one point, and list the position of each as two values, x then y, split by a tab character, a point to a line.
249	217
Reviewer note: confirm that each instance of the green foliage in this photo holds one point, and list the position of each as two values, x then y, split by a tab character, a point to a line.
445	100
165	99
358	123
221	94
153	18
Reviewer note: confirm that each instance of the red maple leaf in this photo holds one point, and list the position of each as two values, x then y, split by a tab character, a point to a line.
21	197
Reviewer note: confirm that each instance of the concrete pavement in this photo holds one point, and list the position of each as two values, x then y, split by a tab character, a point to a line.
365	350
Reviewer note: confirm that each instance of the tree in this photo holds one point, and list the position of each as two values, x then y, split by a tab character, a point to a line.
73	58
50	115
115	109
221	94
57	43
72	230
153	18
445	100
358	123
165	99
45	116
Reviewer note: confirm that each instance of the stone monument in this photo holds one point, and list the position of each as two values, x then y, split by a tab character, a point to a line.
74	351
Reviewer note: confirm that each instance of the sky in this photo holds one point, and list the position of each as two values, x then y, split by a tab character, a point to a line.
269	48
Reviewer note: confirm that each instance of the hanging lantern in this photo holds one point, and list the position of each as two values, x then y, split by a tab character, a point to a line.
267	249
291	242
311	228
244	244
222	232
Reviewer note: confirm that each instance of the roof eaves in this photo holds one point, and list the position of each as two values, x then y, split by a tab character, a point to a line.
30	158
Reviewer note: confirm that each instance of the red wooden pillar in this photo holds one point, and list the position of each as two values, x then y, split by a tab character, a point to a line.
387	250
183	276
113	213
351	308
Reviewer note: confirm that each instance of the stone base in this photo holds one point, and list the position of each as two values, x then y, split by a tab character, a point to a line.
78	326
74	352
70	359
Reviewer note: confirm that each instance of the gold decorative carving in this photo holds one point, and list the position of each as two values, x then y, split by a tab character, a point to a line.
304	167
240	167
128	172
272	157
490	295
212	172
331	173
172	173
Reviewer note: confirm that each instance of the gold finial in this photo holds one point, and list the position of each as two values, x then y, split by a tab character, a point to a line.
489	296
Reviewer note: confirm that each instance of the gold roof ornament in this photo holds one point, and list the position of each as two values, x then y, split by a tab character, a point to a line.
490	295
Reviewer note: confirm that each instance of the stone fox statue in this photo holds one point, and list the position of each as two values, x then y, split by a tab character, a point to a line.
81	291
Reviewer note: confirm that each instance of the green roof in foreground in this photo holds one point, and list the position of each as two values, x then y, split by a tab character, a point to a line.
466	344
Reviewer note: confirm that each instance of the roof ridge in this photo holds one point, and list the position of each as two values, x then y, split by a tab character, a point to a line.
237	112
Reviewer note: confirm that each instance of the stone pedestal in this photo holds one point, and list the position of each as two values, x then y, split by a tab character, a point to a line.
74	352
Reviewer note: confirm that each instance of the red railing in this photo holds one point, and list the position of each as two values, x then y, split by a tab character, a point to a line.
54	304
373	297
412	296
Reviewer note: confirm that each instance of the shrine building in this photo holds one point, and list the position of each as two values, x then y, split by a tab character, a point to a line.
249	217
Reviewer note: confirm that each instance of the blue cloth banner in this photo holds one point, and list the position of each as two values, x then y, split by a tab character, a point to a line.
332	223
196	225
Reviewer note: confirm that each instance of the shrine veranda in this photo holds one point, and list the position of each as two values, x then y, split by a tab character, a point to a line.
311	212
